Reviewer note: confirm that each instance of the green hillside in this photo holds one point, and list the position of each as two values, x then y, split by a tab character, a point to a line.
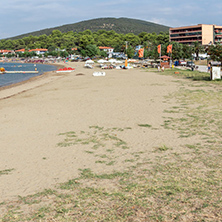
119	25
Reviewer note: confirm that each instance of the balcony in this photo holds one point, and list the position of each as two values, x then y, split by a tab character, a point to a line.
187	34
187	37
187	40
185	31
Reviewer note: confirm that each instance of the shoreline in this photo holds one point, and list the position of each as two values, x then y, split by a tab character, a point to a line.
24	83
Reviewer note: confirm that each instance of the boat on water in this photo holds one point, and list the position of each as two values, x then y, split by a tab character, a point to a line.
69	69
2	70
13	72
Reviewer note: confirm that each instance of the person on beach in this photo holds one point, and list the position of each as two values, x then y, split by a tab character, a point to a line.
208	67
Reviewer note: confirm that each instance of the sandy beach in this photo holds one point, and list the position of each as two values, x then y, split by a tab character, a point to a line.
34	114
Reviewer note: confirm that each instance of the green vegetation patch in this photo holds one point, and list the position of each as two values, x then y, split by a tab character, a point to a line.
96	137
102	143
188	74
6	172
145	125
201	113
176	190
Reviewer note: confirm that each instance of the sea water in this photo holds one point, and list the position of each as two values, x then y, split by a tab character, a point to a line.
11	78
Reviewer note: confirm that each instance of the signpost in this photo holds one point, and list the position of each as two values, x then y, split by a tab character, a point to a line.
215	73
215	70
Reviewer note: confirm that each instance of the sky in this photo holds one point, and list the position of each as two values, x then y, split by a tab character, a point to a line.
23	16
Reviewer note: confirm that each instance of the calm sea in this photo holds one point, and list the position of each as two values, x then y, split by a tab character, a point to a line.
8	79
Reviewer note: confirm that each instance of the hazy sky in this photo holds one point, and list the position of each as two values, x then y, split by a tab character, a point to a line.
24	16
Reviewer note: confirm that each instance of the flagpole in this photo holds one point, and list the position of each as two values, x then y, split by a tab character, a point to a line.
171	56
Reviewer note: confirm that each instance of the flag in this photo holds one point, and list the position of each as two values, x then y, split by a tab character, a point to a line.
141	51
126	63
169	48
159	49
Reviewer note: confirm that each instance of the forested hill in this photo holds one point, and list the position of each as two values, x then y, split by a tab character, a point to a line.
119	25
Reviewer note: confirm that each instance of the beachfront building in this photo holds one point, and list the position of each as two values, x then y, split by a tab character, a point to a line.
108	50
138	47
39	51
20	51
202	33
6	52
217	33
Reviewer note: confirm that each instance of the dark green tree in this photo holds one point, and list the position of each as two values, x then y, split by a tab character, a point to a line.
86	40
92	50
103	54
187	51
132	39
177	52
215	52
130	52
197	48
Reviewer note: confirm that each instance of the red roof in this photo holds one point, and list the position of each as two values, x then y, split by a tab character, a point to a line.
20	50
36	50
104	47
74	49
4	50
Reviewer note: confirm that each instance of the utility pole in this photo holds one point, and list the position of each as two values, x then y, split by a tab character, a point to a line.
126	47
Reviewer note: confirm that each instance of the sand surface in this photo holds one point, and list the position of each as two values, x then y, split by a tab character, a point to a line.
32	115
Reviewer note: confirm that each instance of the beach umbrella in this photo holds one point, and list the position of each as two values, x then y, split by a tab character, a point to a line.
102	61
126	63
119	61
89	62
112	60
132	60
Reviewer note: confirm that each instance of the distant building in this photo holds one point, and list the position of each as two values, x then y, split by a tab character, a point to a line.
119	55
6	52
138	47
39	51
20	50
108	50
204	34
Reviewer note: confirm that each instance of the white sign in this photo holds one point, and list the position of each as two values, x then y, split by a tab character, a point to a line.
215	73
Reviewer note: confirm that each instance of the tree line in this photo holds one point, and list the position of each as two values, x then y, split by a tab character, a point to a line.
87	43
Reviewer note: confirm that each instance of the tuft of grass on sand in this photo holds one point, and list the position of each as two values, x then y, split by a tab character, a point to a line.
162	148
97	140
6	172
97	137
145	125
